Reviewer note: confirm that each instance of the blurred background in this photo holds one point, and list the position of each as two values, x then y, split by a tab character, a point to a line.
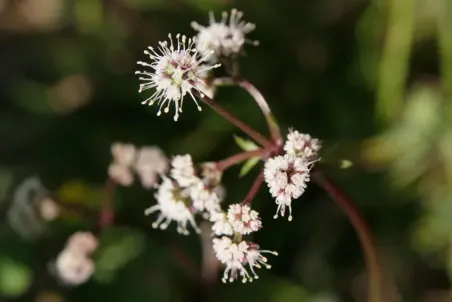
371	78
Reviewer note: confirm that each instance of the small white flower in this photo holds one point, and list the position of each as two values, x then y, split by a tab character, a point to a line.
286	176
221	225
211	175
236	255
123	154
204	199
183	171
302	145
224	38
173	204
243	219
73	268
82	242
150	164
121	174
176	70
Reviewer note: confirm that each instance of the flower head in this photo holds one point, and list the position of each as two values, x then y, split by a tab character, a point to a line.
183	170
286	176
173	202
221	225
302	145
177	69
150	163
204	198
224	38
243	219
123	158
236	255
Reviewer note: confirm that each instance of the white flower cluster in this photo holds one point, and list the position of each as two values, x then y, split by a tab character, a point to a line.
235	253
148	163
74	265
182	67
183	193
287	175
225	38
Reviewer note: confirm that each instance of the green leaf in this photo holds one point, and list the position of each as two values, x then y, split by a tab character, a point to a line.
248	165
15	277
245	144
118	247
345	163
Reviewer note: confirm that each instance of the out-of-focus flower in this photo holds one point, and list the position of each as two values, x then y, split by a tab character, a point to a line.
70	93
82	242
73	268
150	164
48	209
120	170
301	145
175	71
173	203
123	154
243	219
120	174
224	38
287	178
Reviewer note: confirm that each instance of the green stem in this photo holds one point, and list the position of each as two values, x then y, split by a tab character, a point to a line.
364	234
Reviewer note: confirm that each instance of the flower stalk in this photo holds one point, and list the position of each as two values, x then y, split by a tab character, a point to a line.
365	236
254	134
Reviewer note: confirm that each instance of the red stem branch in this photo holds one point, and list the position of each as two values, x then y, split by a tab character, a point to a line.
254	188
254	134
107	214
363	231
226	163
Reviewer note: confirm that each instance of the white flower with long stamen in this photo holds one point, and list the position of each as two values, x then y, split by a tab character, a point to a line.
287	178
254	258
224	38
221	225
300	144
173	204
176	70
243	219
150	164
183	170
236	255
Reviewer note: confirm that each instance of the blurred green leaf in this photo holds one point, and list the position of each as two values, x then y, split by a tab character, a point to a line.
15	277
118	246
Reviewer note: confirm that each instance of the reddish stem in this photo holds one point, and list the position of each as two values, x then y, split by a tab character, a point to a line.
254	188
263	105
107	214
363	231
226	163
254	134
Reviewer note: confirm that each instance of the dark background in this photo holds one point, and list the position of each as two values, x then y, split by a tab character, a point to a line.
366	77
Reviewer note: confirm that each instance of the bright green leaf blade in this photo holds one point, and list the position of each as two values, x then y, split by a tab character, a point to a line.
245	144
248	165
